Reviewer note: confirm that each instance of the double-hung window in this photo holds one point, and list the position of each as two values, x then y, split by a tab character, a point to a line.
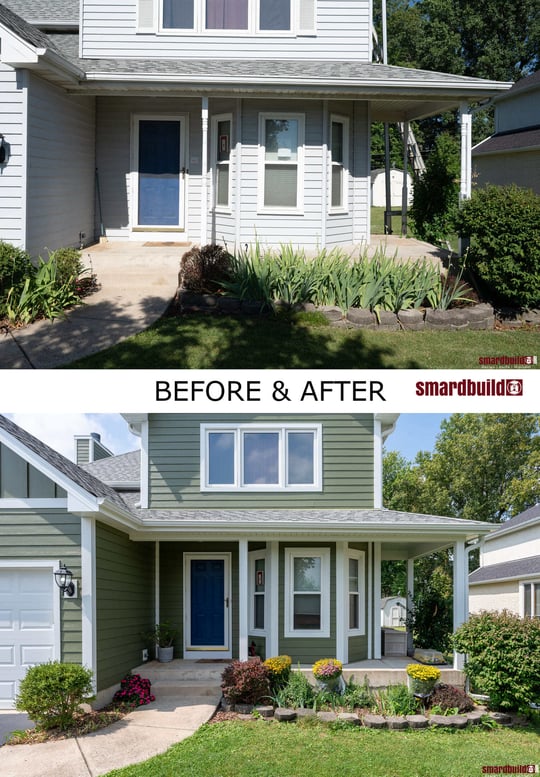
221	142
307	592
243	16
531	600
355	569
339	152
265	457
258	591
281	162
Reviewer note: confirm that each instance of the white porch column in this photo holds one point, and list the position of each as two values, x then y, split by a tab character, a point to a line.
410	596
377	653
460	588
88	594
243	599
204	171
370	602
156	581
342	643
466	144
272	592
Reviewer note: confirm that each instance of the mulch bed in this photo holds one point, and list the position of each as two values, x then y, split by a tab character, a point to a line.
85	723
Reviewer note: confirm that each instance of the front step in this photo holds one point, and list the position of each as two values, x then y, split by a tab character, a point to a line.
183	678
198	688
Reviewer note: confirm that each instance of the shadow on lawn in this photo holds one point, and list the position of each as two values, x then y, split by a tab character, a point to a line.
201	341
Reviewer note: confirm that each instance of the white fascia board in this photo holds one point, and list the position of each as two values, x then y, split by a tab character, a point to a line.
15	50
502	530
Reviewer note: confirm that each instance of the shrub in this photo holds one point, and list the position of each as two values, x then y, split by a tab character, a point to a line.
15	266
502	658
41	295
446	697
134	692
245	682
204	269
436	192
52	693
68	264
503	223
279	670
297	692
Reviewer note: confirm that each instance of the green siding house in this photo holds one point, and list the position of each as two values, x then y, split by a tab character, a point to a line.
249	533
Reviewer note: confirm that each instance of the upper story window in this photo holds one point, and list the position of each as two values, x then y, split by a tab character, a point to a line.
267	457
264	16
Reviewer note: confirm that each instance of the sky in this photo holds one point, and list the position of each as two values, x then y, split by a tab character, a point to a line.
413	432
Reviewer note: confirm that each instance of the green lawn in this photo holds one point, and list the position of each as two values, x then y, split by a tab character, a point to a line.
260	749
206	342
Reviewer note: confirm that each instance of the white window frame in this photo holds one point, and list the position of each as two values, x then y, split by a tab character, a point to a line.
359	556
239	430
254	556
199	22
297	209
532	583
290	555
344	207
215	163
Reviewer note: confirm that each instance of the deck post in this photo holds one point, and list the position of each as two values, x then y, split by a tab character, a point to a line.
460	588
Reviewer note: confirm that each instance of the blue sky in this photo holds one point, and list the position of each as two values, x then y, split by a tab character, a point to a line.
413	432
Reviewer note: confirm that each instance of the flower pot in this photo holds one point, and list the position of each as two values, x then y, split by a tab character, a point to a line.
420	687
333	684
165	654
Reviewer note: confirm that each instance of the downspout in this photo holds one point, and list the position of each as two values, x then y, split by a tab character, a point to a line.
204	171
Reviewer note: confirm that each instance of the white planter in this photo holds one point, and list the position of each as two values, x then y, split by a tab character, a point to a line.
165	654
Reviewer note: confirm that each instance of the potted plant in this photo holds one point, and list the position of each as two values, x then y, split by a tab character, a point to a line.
162	636
421	679
327	672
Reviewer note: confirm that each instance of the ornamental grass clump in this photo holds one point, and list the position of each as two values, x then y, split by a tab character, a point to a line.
279	670
134	692
327	669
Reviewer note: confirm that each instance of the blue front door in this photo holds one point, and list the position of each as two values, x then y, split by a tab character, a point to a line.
208	603
160	173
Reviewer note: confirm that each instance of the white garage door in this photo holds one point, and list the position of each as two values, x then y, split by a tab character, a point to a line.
27	625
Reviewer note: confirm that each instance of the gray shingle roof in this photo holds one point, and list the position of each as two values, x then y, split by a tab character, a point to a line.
522	139
531	514
124	468
23	29
75	473
506	569
46	11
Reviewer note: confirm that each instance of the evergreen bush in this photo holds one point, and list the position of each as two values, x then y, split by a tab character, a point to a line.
52	693
503	224
502	658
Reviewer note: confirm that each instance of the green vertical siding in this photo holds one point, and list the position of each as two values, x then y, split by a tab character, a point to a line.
174	464
19	480
124	602
48	535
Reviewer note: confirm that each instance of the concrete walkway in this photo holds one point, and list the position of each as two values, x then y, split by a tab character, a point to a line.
144	733
138	281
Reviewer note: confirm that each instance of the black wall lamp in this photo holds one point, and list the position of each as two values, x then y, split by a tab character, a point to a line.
2	150
63	578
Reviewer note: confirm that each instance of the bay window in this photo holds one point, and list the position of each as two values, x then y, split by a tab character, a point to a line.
307	592
281	161
339	150
221	143
355	569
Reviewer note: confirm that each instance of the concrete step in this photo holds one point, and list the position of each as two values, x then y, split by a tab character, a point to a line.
180	671
191	688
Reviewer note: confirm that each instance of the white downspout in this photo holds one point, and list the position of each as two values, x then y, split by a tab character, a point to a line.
204	171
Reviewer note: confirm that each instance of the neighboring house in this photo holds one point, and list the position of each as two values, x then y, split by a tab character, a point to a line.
509	574
512	154
378	188
393	611
238	529
199	120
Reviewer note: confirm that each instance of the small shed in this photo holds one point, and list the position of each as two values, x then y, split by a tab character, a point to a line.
378	188
393	611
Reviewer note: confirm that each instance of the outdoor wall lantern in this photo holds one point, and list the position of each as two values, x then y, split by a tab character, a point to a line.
2	150
63	578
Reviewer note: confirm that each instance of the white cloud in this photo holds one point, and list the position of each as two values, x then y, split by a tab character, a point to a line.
58	430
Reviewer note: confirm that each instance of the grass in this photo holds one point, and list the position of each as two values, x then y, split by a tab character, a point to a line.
199	341
311	749
377	222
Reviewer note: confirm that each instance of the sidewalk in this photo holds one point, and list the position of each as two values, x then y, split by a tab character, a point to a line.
145	732
137	283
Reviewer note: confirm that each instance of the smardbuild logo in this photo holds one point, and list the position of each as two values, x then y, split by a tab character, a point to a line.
510	387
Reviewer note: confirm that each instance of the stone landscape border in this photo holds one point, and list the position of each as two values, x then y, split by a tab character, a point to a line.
475	317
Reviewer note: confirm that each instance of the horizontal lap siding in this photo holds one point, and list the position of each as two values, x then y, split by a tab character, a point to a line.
48	535
343	32
12	188
61	164
124	602
174	442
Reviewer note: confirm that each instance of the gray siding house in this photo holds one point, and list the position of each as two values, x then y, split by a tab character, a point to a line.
244	531
191	121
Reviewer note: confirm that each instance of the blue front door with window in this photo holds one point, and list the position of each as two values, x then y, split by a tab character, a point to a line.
159	161
208	603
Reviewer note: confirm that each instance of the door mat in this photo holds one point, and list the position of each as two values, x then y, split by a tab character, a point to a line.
214	661
152	244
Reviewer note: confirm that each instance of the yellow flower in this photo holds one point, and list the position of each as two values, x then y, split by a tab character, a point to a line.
423	672
278	664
